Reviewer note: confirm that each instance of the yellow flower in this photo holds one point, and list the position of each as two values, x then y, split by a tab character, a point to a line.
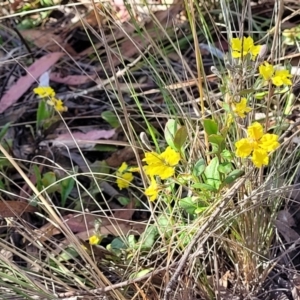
57	104
241	108
161	164
152	190
278	77
95	239
244	46
258	144
124	177
44	91
282	77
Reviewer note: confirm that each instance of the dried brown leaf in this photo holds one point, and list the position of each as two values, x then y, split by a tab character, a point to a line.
84	140
46	39
72	80
15	208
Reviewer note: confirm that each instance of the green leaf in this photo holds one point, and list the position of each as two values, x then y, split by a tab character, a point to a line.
180	137
131	241
148	237
188	205
225	168
165	225
212	174
100	167
49	180
43	113
66	186
210	126
246	92
226	154
289	104
141	273
260	95
200	210
38	177
116	246
67	254
199	167
204	187
170	130
111	118
123	200
233	176
218	140
4	130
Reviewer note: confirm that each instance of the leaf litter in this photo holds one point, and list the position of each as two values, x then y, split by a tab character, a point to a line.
55	152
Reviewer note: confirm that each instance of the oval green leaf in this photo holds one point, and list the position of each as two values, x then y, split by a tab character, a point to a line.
180	137
210	126
170	130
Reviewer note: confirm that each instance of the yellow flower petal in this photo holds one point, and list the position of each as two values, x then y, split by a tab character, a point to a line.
266	71
152	190
170	157
95	240
269	142
122	168
255	51
255	131
160	170
260	158
244	148
152	158
134	169
44	91
59	106
123	181
282	77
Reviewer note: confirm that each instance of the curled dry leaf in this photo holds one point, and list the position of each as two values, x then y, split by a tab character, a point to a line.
83	140
285	217
72	80
118	157
289	234
46	39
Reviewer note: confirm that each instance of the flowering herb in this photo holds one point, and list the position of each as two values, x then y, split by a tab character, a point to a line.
162	165
243	47
278	77
258	144
124	177
241	108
